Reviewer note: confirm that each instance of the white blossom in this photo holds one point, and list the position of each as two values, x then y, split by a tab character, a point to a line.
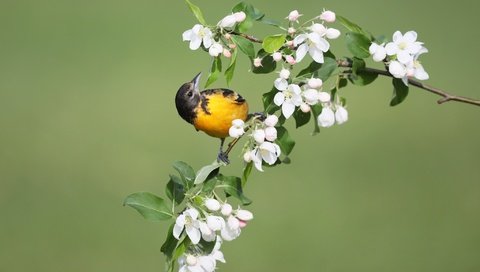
188	221
326	117
228	21
270	134
197	35
289	96
212	204
215	223
207	234
290	59
240	16
404	46
304	107
332	33
397	69
271	120
236	130
226	209
341	115
312	43
315	83
324	97
215	50
257	62
259	135
191	263
311	96
328	16
244	215
377	51
284	73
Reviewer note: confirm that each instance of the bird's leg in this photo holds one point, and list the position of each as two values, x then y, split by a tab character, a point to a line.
260	115
222	156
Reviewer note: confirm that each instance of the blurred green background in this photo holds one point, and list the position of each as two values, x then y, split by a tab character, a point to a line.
87	117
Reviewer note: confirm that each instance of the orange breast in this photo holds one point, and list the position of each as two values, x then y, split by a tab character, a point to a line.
221	111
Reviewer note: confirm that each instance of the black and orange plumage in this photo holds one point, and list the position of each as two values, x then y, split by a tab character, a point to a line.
211	111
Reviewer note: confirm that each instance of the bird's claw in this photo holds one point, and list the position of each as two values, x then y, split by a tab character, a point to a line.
223	157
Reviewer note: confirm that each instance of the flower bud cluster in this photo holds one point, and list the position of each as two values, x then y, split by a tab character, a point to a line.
403	53
212	222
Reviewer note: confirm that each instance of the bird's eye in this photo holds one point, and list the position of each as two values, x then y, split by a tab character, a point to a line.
189	94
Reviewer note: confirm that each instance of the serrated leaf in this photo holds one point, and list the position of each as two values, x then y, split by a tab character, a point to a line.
197	12
301	118
205	171
284	140
214	71
316	110
170	243
358	44
231	68
175	189
186	173
274	42
150	206
268	65
233	187
400	92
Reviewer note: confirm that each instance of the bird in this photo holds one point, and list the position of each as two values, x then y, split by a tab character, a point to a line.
211	111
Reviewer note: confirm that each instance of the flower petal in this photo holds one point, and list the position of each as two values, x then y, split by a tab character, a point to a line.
177	231
299	39
317	54
301	52
391	48
404	57
194	234
281	84
195	42
187	35
410	36
287	109
397	36
279	99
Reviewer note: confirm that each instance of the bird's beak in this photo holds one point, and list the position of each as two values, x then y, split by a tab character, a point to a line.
196	82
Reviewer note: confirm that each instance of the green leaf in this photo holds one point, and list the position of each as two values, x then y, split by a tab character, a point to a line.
316	110
205	171
270	22
150	206
273	43
321	70
268	64
362	78
351	26
233	187
170	243
207	247
209	185
197	12
358	44
186	173
267	99
214	71
244	45
357	64
343	82
231	68
400	92
175	189
246	172
301	118
284	140
249	10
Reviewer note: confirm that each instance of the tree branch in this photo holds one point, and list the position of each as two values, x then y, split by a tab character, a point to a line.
445	96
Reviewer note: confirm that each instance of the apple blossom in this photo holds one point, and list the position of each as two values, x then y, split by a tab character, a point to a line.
290	60
240	16
304	107
277	56
284	73
188	221
293	16
226	208
236	130
312	43
215	50
271	120
257	62
228	21
270	134
315	83
341	115
289	96
259	135
377	51
404	46
212	204
197	35
332	33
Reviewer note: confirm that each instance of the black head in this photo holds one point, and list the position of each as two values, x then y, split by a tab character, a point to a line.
187	99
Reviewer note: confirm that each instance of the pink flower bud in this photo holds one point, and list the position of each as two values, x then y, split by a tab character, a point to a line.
227	53
284	73
277	56
227	36
259	135
290	60
232	46
191	260
328	16
257	62
242	224
291	30
244	215
290	44
212	204
270	134
293	16
247	157
240	16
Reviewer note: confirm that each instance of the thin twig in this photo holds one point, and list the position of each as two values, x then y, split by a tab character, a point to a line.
445	96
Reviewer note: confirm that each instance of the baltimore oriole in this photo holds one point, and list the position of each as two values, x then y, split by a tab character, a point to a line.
211	111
